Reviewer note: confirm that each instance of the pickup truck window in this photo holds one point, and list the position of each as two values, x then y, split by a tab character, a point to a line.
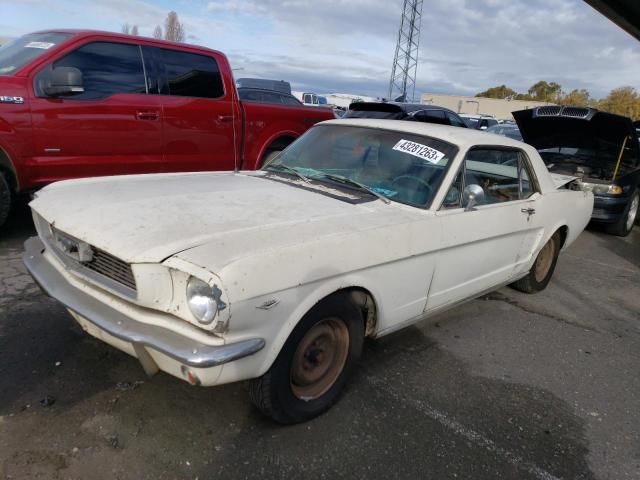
23	50
190	75
107	68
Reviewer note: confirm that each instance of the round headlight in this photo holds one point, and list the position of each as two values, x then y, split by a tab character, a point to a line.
202	300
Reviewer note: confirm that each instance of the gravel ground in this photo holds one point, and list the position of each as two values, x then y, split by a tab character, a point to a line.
507	386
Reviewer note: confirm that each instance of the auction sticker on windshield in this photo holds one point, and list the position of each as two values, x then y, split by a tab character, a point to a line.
418	150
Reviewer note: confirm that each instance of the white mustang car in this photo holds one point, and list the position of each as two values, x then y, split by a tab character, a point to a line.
359	228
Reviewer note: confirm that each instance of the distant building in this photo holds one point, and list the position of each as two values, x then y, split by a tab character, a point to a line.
495	107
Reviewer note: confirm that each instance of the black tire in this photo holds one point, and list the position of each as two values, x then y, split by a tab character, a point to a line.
624	225
273	393
5	199
542	270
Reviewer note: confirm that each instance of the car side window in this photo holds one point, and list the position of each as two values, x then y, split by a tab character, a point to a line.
107	68
287	100
455	121
453	199
496	171
431	116
270	97
503	174
190	74
527	188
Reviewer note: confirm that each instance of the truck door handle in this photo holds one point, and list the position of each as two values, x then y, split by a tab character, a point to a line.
528	211
225	118
147	115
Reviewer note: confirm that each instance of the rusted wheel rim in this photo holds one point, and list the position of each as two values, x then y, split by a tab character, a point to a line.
319	359
544	261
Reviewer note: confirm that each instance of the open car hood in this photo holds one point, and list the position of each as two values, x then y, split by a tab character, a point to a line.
581	128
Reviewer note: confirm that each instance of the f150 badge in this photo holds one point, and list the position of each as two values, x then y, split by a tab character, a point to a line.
5	99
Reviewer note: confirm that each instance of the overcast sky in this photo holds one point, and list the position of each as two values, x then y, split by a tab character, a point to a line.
327	46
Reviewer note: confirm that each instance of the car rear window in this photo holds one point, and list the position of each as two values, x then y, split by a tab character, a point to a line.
19	52
191	75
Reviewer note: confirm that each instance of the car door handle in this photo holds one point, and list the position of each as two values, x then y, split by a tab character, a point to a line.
528	211
147	115
225	118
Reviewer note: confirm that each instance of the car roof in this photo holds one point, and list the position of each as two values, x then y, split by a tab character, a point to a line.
103	33
462	137
404	107
268	90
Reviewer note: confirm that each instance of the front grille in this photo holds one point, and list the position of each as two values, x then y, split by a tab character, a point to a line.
111	267
560	111
548	111
576	112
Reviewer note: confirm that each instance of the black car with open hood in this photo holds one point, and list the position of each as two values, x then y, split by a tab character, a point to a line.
599	148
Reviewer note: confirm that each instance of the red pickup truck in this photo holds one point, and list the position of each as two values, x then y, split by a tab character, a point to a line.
84	103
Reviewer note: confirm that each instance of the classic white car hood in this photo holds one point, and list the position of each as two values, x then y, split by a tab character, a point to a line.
148	218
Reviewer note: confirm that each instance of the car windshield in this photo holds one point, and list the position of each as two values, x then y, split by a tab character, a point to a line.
19	52
399	166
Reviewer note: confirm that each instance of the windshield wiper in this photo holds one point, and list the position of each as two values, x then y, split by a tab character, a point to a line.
358	185
286	168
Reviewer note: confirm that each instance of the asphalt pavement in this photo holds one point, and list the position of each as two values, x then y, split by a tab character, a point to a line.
509	386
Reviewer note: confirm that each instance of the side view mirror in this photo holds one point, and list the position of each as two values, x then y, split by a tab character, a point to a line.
63	82
472	195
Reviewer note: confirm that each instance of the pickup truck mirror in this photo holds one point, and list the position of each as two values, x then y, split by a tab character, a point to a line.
63	82
472	195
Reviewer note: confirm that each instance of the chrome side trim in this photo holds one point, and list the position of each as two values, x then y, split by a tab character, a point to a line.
184	350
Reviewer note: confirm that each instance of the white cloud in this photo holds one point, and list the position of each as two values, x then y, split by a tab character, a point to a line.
466	45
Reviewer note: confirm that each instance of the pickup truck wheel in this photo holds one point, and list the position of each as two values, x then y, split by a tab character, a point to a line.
315	363
542	270
5	199
624	225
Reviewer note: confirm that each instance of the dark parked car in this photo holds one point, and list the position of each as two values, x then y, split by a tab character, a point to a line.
405	111
479	122
510	130
600	148
262	95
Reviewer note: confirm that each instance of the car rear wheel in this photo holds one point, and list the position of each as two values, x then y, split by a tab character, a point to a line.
624	225
315	363
542	270
5	199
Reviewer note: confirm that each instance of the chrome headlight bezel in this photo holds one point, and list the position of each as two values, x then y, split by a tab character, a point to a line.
204	300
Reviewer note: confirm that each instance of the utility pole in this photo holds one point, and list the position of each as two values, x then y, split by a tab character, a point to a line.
402	86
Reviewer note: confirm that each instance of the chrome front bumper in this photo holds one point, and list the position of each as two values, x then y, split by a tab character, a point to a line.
182	349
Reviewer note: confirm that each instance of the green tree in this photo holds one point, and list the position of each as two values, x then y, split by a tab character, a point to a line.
129	30
501	91
544	91
576	98
622	101
173	29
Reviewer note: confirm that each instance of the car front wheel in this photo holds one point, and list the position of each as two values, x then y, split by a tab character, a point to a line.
624	225
315	363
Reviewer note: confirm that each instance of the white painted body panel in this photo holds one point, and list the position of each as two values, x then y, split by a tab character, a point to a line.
261	240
